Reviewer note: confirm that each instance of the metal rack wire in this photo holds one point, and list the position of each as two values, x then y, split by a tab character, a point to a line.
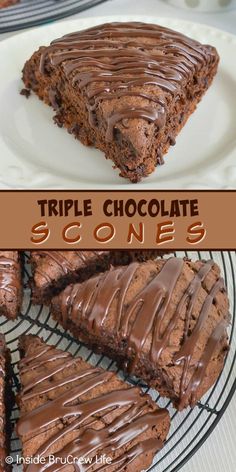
190	428
29	13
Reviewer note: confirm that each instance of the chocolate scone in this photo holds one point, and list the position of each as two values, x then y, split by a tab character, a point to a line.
125	88
53	270
163	321
8	3
6	402
11	288
69	410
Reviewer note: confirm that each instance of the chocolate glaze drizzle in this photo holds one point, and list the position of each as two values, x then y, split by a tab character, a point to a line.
66	265
89	304
81	416
122	60
2	405
62	260
9	274
6	403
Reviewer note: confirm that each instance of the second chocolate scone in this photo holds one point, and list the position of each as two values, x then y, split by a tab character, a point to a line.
125	88
6	404
163	321
73	415
53	270
11	283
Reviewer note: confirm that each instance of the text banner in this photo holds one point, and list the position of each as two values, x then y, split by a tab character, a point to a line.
119	219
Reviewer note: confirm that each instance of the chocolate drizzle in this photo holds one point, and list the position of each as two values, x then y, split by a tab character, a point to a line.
6	404
93	434
9	274
114	60
143	318
62	260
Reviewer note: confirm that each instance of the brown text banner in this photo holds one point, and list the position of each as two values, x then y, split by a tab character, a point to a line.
117	219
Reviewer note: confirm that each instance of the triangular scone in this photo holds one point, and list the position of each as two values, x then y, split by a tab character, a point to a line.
6	403
125	88
164	321
69	410
11	284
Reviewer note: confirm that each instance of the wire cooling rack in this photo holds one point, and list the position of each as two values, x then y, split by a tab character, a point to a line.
190	428
29	13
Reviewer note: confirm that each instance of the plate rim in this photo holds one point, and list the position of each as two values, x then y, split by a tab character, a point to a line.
107	18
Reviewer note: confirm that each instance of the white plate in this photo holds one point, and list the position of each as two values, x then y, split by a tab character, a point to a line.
34	153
